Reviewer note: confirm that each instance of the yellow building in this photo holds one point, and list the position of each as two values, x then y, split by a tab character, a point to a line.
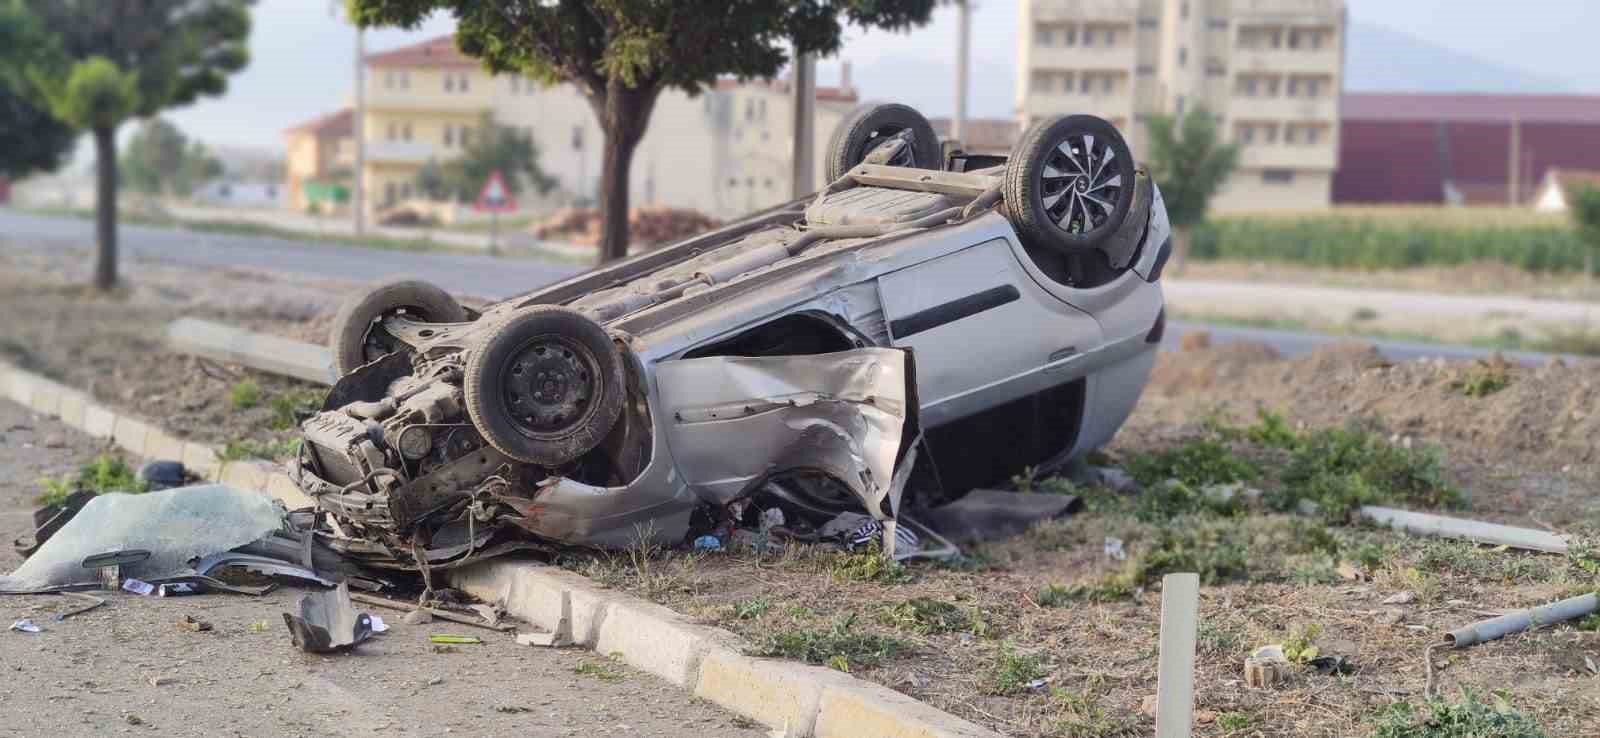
724	152
1271	71
320	150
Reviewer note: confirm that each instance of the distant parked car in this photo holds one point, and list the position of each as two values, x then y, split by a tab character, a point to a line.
924	325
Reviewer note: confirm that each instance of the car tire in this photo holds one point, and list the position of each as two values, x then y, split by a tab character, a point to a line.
545	386
356	343
1056	196
870	125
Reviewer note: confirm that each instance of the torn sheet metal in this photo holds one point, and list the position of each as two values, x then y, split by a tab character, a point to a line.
327	621
174	526
733	422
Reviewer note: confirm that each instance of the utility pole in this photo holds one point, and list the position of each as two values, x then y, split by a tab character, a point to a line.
357	191
804	95
958	122
1515	165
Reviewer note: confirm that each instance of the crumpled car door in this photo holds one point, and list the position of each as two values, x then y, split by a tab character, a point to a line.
733	422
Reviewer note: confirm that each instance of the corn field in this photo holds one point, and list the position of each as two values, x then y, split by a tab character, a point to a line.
1395	238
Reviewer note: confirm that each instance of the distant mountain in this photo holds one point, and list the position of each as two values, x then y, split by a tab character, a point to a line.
1380	58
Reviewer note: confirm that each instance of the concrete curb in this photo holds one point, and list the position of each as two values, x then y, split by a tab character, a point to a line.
142	439
805	701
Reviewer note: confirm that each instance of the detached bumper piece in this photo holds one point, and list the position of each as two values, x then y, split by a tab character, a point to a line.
325	622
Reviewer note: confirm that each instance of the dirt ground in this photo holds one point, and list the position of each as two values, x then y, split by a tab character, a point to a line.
126	667
114	346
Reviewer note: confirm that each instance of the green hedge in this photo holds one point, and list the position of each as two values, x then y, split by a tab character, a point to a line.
1362	243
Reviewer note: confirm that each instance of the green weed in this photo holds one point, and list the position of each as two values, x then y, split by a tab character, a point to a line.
924	616
867	565
244	394
292	404
1197	462
840	646
1462	717
105	473
751	608
1082	716
273	450
1482	379
1012	670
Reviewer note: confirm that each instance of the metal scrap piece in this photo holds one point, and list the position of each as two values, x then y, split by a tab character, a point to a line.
326	621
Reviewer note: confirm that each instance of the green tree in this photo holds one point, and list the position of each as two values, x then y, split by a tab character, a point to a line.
1583	202
492	147
1189	162
106	62
622	53
153	157
31	139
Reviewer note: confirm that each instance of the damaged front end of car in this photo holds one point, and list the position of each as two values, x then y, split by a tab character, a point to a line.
396	457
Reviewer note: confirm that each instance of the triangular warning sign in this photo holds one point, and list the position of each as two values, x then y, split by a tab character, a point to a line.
494	197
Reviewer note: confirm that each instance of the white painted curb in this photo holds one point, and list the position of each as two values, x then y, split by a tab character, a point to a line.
805	701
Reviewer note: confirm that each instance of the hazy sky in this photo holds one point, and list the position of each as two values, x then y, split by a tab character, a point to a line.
302	56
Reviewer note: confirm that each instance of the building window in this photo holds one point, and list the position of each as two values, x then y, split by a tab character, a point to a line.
449	135
762	108
1291	135
1084	83
389	133
1044	37
1183	10
1042	82
516	84
1269	133
1277	176
1180	105
1146	70
449	82
1069	36
1149	23
389	192
466	136
1247	133
769	183
1111	37
1247	86
749	110
388	80
405	132
1215	68
1218	24
1183	56
1108	83
463	81
405	80
1294	86
1088	37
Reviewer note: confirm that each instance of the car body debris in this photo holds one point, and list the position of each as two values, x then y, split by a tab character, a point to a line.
326	621
850	352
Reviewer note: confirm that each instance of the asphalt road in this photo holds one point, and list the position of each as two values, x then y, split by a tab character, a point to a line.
494	277
127	668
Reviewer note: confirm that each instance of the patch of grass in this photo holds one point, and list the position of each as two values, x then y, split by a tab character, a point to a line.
867	565
1082	716
1197	462
105	473
1300	647
751	608
1215	639
273	450
1232	721
1011	671
290	405
924	616
1271	430
244	394
1363	314
1462	717
1583	340
1054	595
840	646
1482	379
1340	469
602	670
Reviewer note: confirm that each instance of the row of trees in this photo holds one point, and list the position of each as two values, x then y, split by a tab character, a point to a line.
69	66
159	160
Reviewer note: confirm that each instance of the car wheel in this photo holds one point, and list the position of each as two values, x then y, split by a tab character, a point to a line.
545	386
870	126
1069	183
357	340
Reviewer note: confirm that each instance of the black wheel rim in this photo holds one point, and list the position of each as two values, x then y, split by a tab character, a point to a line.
549	386
905	157
1081	183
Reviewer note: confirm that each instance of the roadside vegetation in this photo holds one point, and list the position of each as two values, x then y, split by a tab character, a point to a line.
1399	238
105	473
1052	634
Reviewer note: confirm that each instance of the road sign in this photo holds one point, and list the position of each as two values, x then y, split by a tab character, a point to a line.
494	197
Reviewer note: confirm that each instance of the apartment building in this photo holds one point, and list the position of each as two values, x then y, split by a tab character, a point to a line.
1270	71
725	152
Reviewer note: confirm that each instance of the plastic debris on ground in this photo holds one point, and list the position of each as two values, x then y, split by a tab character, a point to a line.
378	626
707	543
189	623
327	621
451	638
25	626
1113	549
137	587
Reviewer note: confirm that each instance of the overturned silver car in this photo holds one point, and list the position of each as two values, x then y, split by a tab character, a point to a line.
928	323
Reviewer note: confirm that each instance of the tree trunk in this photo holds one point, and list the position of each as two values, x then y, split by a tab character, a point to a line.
614	167
1180	248
1588	263
105	207
624	113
